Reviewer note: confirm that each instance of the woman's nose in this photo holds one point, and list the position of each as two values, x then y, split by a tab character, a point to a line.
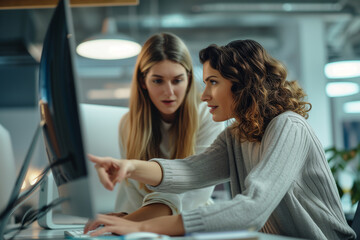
169	89
205	95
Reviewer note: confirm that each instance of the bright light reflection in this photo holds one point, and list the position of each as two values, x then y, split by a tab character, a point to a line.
122	93
118	93
342	69
340	89
33	177
352	107
108	49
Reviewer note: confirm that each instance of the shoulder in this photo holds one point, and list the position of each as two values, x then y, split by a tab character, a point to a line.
289	117
286	124
203	109
124	124
204	113
124	120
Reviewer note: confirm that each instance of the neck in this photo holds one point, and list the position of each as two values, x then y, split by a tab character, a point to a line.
168	118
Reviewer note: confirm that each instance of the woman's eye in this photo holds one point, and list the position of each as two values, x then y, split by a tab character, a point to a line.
157	81
176	81
213	82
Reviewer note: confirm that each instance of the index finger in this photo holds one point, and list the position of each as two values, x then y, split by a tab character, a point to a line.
100	161
94	158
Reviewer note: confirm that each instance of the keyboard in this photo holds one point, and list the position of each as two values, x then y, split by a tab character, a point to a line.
79	234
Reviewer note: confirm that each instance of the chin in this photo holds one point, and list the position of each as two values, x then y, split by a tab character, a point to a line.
215	119
219	118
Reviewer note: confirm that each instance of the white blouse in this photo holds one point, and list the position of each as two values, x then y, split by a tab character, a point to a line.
131	195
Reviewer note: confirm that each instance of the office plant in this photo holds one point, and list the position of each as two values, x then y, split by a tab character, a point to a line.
346	160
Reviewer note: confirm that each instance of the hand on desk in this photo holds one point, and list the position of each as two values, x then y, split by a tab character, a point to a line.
113	224
166	225
91	224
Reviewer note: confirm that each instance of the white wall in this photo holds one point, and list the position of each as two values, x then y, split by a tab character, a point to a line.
313	57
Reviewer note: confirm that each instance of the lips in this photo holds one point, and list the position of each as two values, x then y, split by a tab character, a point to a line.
212	108
167	102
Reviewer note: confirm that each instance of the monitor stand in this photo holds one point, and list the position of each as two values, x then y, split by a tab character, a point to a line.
52	220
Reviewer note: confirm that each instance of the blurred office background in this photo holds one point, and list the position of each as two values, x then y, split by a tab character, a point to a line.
304	34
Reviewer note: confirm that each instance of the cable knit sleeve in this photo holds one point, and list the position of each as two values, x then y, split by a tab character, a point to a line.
197	171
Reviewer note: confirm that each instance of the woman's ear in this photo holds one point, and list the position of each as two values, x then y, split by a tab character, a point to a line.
142	83
141	78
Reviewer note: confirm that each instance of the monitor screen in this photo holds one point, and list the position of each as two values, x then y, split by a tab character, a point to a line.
59	110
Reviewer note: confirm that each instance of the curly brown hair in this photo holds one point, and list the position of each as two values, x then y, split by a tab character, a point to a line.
259	86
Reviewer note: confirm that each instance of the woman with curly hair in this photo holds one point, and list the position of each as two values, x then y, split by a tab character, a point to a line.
280	180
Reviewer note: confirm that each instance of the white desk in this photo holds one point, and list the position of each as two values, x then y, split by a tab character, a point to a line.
36	232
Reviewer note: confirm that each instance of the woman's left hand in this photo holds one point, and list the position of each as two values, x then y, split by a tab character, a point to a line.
112	224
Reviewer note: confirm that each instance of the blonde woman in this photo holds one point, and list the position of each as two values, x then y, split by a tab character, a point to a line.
165	120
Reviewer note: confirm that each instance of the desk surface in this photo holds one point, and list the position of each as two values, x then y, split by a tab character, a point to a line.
36	232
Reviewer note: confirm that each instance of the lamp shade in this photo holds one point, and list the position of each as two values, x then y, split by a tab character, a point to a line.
343	69
352	107
341	89
108	47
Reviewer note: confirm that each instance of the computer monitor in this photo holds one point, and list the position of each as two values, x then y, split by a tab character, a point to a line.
59	109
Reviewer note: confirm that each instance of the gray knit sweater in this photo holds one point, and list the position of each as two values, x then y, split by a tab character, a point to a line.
282	185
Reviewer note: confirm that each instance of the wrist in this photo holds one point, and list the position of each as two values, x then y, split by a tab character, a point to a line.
144	226
134	165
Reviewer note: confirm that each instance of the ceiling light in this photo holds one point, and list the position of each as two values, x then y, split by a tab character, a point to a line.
109	45
352	107
343	69
108	48
340	89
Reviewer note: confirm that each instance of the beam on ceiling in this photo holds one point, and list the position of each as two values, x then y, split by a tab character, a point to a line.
24	4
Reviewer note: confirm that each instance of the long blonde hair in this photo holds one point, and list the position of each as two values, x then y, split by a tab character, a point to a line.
143	120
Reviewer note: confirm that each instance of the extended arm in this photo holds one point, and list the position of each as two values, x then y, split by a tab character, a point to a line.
158	203
111	171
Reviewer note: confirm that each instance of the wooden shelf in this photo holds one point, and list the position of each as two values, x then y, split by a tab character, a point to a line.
25	4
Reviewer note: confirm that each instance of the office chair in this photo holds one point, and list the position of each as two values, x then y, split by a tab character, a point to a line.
356	222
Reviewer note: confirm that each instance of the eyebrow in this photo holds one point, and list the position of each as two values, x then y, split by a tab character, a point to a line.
160	76
207	79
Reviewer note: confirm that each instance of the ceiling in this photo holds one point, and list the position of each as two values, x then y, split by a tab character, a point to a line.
199	23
